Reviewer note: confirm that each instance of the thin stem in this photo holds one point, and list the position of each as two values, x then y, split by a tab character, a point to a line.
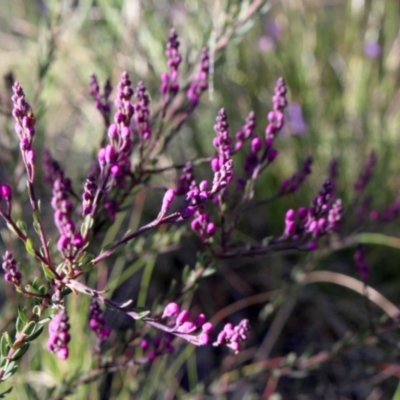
170	218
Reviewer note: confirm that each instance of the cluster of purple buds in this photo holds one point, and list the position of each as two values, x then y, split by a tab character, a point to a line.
88	195
276	117
275	124
179	322
333	172
202	225
195	199
58	335
199	83
231	336
101	100
6	195
246	132
186	180
366	174
10	268
111	207
70	239
296	119
97	322
158	346
360	261
114	158
222	164
169	80
52	169
318	220
142	112
291	184
391	212
196	196
364	209
25	128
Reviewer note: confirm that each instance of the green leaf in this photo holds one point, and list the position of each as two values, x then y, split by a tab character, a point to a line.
35	334
4	394
22	227
396	395
37	310
11	368
20	352
126	304
8	339
29	247
4	347
32	289
30	328
35	283
22	315
44	321
48	272
142	312
42	289
379	239
209	272
36	221
66	291
87	224
185	273
19	325
11	228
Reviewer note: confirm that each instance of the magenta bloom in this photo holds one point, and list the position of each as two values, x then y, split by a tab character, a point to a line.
372	49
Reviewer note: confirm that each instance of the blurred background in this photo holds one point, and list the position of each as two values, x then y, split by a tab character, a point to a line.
341	62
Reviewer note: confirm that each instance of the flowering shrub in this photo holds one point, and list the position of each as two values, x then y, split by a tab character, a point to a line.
137	134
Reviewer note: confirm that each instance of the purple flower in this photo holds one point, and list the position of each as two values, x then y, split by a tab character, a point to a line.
272	27
199	83
222	165
321	218
293	183
180	323
25	128
70	239
360	261
167	200
202	225
169	80
186	180
246	132
142	112
52	169
97	322
114	158
372	49
170	310
275	117
265	44
6	195
58	335
10	268
296	120
88	195
366	174
158	346
101	99
232	336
